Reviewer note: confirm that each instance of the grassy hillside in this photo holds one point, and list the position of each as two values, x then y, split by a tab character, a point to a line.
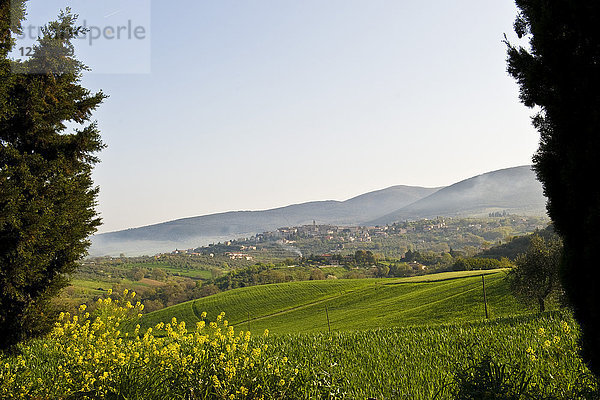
531	356
353	304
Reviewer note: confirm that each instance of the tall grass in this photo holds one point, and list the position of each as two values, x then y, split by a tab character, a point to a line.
423	362
88	356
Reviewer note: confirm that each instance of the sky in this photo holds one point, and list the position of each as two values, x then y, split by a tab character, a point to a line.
245	105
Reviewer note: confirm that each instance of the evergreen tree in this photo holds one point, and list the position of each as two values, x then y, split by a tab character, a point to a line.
559	74
47	197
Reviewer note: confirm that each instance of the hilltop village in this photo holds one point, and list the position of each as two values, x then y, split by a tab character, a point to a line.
468	235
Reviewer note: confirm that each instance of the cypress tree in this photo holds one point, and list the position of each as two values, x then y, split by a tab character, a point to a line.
559	75
47	147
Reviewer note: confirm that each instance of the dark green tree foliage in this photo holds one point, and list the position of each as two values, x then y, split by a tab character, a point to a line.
559	74
365	257
537	274
470	264
47	196
516	246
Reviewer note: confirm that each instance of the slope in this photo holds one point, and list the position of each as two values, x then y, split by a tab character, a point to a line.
195	231
514	190
352	304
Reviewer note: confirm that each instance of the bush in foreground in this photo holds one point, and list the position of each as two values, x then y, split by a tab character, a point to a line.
104	356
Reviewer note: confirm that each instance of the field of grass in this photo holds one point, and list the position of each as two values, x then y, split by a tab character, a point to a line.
526	357
404	338
191	272
84	290
353	304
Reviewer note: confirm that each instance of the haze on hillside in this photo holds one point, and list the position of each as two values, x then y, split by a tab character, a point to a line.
513	190
257	105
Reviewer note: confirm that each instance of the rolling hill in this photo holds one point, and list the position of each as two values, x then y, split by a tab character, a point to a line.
196	231
359	304
514	190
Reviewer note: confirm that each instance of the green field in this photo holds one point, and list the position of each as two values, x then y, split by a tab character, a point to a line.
303	307
531	356
407	338
436	362
84	290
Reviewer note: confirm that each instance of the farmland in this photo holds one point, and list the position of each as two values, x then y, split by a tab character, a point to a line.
528	356
354	304
447	361
417	337
422	337
419	247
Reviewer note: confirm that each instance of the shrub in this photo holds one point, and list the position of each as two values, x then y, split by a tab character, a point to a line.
488	379
104	355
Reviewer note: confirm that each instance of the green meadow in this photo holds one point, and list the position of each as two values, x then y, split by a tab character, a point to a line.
354	304
525	357
412	338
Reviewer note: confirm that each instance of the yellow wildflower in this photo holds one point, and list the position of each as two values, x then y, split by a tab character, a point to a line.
541	331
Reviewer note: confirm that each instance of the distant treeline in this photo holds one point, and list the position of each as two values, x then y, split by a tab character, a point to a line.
361	265
472	263
518	245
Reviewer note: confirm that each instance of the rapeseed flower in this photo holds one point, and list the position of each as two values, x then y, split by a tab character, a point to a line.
105	353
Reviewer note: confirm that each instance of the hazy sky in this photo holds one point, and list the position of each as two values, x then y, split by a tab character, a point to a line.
226	105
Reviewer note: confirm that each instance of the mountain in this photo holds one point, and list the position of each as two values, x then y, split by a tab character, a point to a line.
514	190
197	231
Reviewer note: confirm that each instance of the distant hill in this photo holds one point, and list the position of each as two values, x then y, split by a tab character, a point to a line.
197	231
514	190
